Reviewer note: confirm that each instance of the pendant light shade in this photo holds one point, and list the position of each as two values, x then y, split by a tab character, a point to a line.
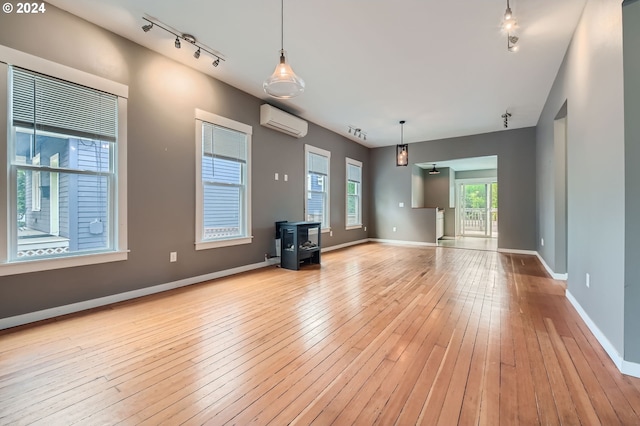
283	83
402	149
434	171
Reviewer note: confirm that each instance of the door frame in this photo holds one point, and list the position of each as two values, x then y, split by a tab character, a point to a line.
473	181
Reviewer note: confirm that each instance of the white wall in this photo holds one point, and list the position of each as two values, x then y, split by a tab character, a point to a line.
590	81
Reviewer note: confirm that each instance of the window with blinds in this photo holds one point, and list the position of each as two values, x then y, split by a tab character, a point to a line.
317	165
63	158
223	195
354	193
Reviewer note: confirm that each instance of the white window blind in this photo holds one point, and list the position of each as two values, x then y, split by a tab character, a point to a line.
55	105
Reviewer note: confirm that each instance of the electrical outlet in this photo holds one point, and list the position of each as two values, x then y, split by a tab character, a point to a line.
400	204
394	229
541	242
331	233
173	256
587	280
365	229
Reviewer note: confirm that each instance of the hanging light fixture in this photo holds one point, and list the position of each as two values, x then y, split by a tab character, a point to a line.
402	149
434	171
283	83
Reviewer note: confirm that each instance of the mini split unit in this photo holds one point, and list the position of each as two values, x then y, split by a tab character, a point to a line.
282	121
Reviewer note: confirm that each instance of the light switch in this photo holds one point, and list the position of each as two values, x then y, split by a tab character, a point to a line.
400	204
286	178
276	176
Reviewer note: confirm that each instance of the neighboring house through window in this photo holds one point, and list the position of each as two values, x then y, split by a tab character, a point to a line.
354	194
67	144
223	194
317	167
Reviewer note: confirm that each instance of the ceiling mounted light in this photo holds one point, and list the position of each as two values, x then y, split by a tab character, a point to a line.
512	45
505	119
357	132
402	149
184	37
283	83
509	22
434	171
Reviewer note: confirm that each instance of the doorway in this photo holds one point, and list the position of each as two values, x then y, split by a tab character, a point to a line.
478	209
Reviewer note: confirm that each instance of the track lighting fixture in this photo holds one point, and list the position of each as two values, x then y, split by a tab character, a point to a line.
180	37
434	171
509	22
283	83
505	119
402	149
358	132
512	45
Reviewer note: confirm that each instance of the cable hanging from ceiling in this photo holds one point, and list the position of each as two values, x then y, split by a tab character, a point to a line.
180	37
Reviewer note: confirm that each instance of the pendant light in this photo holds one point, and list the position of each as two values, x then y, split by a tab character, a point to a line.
402	149
283	83
434	171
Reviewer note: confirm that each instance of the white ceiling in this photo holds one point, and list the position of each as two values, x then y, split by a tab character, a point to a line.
443	66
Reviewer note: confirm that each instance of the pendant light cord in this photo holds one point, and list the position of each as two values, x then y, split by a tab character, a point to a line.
281	24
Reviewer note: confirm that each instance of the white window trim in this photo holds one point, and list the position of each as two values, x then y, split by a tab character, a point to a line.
204	116
324	153
10	56
346	207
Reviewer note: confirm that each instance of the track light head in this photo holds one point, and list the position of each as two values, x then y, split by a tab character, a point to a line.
147	27
196	54
177	43
216	62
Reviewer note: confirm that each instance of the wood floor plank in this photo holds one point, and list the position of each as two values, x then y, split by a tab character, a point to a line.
378	334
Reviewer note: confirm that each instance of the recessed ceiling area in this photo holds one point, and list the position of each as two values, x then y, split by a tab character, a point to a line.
444	67
464	164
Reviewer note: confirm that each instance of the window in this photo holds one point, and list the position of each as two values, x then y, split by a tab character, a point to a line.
317	166
223	194
67	142
354	194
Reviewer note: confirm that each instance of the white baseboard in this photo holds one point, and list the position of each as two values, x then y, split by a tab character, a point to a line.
402	243
340	246
625	367
107	300
554	275
516	251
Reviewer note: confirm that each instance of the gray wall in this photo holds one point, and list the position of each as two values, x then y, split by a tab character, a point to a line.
436	194
590	83
161	166
477	174
516	185
631	31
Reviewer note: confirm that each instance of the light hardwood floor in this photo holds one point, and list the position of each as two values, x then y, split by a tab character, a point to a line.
378	334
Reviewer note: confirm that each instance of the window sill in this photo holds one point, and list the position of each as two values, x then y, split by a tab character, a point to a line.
348	228
26	266
205	245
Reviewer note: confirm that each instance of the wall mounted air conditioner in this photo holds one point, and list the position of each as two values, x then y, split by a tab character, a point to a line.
282	121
